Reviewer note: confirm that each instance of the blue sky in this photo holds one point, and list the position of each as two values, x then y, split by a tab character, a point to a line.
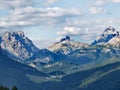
46	21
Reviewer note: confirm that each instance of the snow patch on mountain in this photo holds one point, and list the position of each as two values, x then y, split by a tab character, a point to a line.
115	42
106	36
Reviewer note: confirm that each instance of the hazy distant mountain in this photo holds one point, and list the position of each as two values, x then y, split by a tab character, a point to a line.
18	45
43	56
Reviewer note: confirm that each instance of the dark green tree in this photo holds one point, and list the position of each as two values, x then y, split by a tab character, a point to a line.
3	87
14	88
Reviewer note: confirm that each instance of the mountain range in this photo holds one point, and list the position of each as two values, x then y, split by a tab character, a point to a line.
21	48
86	65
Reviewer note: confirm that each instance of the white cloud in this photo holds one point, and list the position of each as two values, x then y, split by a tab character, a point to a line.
47	12
103	2
116	1
97	10
30	16
72	31
51	1
99	2
11	4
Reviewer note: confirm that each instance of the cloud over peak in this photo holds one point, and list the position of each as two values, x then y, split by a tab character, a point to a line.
71	31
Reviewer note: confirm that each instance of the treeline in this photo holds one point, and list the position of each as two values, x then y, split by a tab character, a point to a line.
6	88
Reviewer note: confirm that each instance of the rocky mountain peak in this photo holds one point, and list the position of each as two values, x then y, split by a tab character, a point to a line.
110	30
66	38
107	35
20	33
17	44
66	46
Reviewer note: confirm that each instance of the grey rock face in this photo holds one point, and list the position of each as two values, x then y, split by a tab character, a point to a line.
64	39
18	44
